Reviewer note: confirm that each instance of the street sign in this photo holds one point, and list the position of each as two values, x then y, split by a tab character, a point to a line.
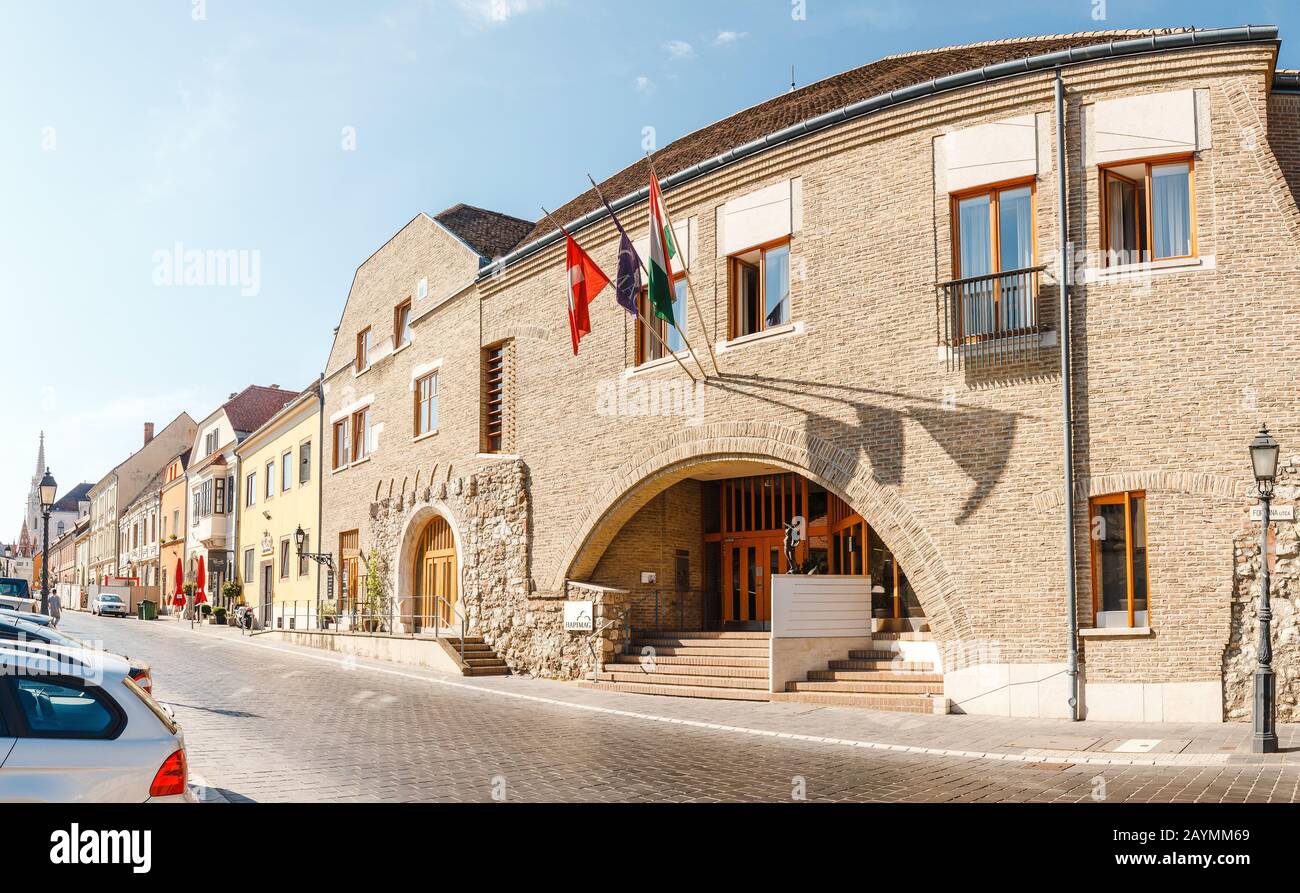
1275	513
577	616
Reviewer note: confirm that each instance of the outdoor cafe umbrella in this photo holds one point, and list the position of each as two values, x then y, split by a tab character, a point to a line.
200	596
178	598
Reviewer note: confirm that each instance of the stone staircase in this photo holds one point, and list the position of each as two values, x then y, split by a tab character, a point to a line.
728	665
880	676
480	659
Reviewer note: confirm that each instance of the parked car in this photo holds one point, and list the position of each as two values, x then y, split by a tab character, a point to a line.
107	603
17	628
77	728
15	593
29	616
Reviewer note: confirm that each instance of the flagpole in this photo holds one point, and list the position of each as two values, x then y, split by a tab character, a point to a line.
646	270
690	286
650	328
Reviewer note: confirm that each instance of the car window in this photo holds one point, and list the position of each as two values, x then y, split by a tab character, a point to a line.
57	709
13	587
109	598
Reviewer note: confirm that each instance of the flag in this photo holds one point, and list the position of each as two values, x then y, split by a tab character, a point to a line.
586	280
627	281
662	252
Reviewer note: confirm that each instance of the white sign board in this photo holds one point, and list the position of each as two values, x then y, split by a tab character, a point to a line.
820	606
577	616
1275	513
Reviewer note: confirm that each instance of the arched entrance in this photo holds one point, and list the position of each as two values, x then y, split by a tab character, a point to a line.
435	576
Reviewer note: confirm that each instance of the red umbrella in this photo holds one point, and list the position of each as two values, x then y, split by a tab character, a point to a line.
178	598
200	596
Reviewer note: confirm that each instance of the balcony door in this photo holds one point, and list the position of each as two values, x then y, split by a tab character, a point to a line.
994	234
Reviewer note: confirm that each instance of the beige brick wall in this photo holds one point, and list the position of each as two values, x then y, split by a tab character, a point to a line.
959	472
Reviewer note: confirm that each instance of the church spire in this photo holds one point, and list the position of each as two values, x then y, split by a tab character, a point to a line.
40	459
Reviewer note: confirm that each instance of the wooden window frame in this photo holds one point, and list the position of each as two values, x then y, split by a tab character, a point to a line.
733	287
432	379
286	553
397	323
341	448
363	349
643	340
494	399
304	462
269	492
286	471
993	191
1125	499
1147	248
360	432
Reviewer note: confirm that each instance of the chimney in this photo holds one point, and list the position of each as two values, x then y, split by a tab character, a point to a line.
148	432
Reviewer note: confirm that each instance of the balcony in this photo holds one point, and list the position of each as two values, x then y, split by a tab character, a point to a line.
991	321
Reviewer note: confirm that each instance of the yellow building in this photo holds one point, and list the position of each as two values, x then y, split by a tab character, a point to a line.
279	491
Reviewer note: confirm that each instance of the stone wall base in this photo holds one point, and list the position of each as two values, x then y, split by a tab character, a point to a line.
1005	689
1154	701
426	653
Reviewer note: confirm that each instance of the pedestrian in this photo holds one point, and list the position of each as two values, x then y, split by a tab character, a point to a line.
56	608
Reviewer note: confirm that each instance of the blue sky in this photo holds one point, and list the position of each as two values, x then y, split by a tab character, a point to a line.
130	127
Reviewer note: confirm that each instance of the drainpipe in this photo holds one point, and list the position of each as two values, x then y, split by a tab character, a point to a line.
320	481
1067	420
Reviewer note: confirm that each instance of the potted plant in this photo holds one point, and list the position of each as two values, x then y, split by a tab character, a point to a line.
233	590
219	615
374	604
205	609
328	612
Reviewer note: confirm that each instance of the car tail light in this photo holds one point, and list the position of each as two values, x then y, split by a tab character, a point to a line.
143	679
172	776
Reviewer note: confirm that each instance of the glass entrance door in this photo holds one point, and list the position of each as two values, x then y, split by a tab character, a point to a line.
748	565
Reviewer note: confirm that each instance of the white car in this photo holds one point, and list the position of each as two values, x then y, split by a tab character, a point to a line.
16	595
107	603
75	727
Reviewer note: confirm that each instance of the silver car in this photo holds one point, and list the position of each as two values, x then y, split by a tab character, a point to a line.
106	603
75	727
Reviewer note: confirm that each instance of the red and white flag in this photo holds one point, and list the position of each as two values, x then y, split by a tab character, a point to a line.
586	280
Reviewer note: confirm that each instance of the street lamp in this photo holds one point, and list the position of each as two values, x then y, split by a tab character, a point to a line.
325	559
1263	459
49	489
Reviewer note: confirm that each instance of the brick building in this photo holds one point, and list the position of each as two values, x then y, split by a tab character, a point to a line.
875	262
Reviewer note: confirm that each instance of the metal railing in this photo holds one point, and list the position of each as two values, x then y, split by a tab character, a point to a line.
306	616
663	610
991	321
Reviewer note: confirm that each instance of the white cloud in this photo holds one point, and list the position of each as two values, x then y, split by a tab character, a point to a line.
679	49
644	84
727	38
498	11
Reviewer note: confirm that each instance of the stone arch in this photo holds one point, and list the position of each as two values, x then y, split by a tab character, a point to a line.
401	577
679	455
1192	483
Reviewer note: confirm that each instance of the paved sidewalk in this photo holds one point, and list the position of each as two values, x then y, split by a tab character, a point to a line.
1016	740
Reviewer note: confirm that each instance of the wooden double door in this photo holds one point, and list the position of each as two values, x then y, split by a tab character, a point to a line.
437	577
748	565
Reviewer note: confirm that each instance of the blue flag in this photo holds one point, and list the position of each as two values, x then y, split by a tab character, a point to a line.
627	282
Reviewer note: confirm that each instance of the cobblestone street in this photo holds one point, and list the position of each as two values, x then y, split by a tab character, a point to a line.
269	722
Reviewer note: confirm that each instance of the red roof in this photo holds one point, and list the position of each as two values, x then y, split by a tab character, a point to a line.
250	408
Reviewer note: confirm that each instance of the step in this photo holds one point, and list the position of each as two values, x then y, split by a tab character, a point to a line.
860	654
892	703
869	686
469	640
675	680
903	637
626	664
674	642
899	625
680	691
874	676
674	651
492	661
695	660
501	670
892	665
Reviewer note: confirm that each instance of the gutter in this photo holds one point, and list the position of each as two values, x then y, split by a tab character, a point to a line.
1044	62
1286	82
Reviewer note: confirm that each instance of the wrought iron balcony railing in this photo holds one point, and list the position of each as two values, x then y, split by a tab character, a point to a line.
991	321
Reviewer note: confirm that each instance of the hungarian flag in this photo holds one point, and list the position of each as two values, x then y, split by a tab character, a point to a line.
586	280
662	251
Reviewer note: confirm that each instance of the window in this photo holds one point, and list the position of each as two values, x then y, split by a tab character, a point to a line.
648	347
286	471
494	372
176	522
1118	529
342	444
250	483
303	561
210	443
760	289
284	558
270	479
220	484
363	349
360	434
248	564
304	462
1147	212
426	404
64	709
402	324
993	232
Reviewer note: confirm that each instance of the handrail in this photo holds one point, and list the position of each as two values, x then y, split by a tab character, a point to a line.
597	630
998	275
456	611
991	320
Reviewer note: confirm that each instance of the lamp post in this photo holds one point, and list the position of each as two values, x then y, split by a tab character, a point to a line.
1263	459
324	559
49	489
